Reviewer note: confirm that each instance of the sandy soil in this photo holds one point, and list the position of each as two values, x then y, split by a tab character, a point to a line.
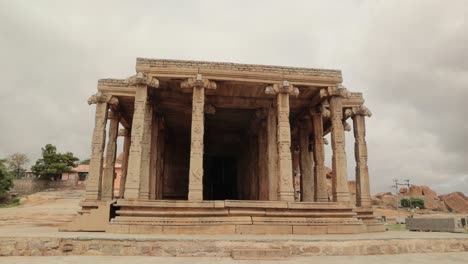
51	208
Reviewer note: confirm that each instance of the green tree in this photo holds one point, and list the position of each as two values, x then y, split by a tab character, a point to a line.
16	163
85	162
53	164
6	180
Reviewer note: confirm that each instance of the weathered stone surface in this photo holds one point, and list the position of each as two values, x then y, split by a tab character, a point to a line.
426	191
435	224
415	191
456	202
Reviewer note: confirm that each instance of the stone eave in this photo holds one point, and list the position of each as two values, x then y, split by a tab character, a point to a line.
116	87
238	72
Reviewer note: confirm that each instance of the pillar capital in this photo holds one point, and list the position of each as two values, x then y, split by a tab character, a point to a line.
198	82
142	79
103	98
362	110
283	87
338	90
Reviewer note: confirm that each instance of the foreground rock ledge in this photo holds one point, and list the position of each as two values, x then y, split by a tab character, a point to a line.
237	248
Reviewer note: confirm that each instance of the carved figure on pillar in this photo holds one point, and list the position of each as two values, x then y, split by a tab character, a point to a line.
285	182
198	84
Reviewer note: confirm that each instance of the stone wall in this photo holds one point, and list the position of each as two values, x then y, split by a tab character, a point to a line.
28	186
215	248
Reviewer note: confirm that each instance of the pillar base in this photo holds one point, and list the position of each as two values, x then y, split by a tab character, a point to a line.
286	196
195	195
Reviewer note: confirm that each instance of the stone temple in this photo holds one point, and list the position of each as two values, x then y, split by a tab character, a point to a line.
226	148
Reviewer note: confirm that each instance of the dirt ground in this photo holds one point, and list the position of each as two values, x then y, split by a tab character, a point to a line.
50	208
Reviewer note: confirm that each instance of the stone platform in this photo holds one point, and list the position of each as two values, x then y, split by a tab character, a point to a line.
47	241
239	217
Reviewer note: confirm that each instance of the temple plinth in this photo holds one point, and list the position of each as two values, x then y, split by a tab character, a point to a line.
224	148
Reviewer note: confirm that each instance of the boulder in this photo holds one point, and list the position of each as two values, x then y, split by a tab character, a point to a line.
415	191
382	194
455	202
403	190
376	201
426	191
431	203
389	201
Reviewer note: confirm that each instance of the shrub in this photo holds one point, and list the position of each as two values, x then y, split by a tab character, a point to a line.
412	202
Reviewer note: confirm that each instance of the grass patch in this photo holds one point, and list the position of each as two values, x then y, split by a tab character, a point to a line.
396	227
12	203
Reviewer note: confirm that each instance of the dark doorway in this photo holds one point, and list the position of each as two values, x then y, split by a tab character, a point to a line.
219	179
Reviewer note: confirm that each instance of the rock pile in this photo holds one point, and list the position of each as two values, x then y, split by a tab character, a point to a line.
455	202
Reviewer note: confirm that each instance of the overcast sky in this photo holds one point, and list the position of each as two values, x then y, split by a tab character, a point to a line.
409	58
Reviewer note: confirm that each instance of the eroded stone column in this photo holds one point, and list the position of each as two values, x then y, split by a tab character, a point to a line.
285	181
340	180
94	181
363	198
198	85
272	156
132	184
307	173
126	150
109	165
146	153
138	160
320	179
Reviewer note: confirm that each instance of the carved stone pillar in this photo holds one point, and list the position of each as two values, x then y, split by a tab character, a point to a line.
146	153
320	179
198	85
126	150
285	181
109	166
263	190
272	156
307	172
94	181
363	198
340	180
138	161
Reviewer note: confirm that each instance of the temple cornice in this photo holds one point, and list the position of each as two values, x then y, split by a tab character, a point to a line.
240	72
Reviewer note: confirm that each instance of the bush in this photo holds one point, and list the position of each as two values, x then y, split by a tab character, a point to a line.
6	180
412	202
